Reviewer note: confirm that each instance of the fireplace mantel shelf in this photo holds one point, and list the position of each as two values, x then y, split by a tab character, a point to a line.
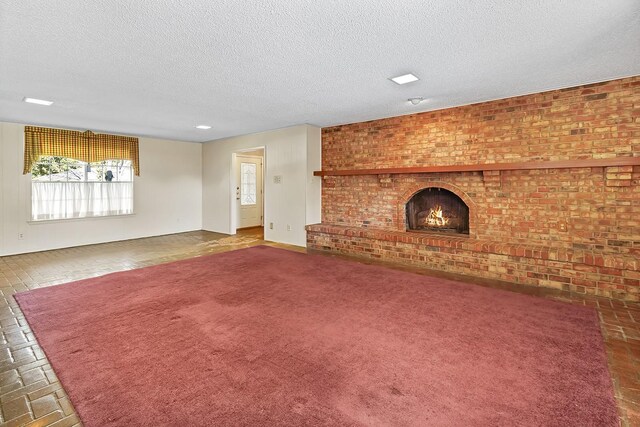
551	164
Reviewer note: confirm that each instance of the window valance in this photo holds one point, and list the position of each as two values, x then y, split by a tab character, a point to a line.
83	146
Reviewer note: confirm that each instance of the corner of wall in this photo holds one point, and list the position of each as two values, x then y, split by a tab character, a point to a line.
313	193
3	180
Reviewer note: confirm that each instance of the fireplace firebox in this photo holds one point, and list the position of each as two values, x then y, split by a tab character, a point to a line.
437	210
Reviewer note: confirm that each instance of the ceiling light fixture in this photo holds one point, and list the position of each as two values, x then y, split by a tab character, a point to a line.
417	100
38	101
203	127
404	79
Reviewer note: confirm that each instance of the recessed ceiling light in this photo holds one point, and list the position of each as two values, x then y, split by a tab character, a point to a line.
204	127
404	79
37	101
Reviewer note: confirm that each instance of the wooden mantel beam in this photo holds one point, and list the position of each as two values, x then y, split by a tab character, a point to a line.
551	164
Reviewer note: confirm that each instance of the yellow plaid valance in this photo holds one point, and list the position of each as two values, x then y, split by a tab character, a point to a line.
84	146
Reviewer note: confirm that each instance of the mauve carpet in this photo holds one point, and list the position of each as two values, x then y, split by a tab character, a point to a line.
265	336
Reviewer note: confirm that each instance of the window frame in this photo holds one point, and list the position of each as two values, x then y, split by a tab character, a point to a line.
85	181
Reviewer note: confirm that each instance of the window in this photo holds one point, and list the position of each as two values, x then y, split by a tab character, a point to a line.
79	174
63	188
247	184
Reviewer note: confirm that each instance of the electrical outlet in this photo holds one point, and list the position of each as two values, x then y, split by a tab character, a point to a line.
288	227
270	226
562	226
20	236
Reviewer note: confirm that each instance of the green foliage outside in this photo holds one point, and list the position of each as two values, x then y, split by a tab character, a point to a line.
52	165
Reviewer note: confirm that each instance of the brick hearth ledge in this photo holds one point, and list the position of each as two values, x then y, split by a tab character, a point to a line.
611	275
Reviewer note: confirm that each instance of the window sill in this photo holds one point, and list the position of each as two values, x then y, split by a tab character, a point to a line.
84	218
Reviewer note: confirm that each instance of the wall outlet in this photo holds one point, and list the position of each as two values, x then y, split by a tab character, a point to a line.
288	227
277	179
562	226
20	236
270	226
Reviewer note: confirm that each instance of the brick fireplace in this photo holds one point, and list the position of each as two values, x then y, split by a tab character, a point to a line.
541	189
437	210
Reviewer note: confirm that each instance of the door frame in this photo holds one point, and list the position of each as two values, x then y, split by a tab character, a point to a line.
233	211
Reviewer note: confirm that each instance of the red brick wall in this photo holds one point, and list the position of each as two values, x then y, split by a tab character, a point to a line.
595	121
596	210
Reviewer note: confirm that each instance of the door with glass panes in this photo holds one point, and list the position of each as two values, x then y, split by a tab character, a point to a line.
249	191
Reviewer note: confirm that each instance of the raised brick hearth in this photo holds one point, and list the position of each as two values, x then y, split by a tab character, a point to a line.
576	228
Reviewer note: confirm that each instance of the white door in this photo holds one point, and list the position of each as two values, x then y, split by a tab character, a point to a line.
249	191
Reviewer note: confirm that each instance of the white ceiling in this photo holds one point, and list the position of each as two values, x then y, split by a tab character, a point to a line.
160	67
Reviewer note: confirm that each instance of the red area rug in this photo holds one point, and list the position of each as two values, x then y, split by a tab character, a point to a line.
264	336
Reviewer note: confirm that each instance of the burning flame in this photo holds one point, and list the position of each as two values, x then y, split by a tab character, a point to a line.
436	217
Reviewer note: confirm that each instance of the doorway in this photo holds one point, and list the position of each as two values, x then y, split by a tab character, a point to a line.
249	170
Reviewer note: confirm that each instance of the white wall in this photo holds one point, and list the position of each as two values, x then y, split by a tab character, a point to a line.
314	183
294	202
167	198
183	187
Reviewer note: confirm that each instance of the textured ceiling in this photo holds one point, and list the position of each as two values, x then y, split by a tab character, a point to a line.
160	67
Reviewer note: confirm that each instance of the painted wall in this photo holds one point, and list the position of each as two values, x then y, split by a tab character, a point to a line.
314	183
293	202
168	199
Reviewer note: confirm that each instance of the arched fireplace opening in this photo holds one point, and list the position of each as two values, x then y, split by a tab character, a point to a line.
439	210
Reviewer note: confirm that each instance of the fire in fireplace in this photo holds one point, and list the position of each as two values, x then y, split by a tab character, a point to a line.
439	210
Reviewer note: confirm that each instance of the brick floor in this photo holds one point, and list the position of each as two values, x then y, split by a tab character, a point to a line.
31	395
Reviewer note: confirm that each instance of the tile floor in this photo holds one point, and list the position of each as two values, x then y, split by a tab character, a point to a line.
31	395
